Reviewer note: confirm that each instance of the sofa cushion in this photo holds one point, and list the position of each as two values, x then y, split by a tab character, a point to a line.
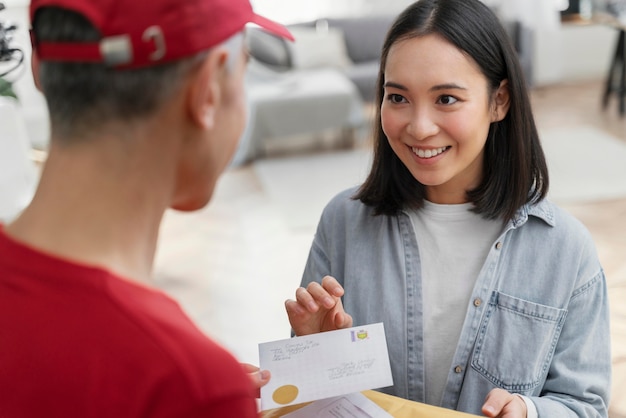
314	48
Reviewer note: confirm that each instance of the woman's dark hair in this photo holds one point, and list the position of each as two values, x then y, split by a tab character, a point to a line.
515	170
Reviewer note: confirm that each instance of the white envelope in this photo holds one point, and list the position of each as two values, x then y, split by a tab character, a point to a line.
325	365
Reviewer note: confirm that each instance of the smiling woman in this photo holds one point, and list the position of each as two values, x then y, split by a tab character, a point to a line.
443	113
486	85
450	241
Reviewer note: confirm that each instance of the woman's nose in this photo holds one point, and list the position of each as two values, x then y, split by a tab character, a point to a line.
422	125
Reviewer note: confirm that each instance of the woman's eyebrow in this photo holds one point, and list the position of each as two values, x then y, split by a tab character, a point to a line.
445	86
395	86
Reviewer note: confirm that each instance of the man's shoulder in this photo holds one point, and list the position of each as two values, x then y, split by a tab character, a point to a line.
118	340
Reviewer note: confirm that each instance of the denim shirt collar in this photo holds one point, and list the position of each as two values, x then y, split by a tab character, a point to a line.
542	210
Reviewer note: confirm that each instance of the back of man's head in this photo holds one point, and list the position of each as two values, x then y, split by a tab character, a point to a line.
119	60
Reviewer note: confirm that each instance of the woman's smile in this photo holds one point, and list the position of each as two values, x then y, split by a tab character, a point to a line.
428	153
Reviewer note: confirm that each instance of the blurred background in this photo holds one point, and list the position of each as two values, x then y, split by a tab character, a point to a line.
310	109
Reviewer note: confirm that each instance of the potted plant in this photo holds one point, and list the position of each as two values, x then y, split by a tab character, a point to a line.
6	88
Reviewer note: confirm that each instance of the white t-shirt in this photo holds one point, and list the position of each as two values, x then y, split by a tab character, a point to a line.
453	245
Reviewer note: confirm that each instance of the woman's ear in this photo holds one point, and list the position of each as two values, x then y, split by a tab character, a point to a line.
501	101
205	89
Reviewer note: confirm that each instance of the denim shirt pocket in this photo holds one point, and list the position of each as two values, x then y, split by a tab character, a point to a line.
516	342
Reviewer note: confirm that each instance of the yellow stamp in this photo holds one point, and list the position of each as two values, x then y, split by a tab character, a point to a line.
285	394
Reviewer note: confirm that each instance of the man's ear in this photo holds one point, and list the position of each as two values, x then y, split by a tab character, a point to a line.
205	89
502	101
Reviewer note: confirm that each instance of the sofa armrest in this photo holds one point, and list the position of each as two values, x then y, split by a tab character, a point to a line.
269	49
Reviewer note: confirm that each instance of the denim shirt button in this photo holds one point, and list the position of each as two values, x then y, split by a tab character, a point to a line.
498	245
478	302
458	369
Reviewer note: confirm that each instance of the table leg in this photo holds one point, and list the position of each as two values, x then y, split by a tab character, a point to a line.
618	60
622	81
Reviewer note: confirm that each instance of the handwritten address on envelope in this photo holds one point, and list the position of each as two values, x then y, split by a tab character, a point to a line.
325	365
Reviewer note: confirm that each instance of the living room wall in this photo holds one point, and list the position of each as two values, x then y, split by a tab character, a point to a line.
289	11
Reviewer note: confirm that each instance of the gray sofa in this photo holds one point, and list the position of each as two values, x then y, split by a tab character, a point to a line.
320	43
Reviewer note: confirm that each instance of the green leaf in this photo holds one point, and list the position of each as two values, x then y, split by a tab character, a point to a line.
6	89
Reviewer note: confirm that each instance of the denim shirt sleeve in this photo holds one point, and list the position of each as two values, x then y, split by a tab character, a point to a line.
325	245
374	258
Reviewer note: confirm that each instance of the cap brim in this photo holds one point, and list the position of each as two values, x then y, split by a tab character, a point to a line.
272	27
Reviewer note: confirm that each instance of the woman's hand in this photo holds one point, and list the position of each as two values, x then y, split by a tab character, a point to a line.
318	308
258	377
502	404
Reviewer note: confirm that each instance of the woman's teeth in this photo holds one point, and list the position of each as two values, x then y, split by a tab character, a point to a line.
428	153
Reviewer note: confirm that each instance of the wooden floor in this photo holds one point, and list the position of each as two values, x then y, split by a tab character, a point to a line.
233	264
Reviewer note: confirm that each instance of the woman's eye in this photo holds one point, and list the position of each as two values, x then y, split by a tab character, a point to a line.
447	100
396	98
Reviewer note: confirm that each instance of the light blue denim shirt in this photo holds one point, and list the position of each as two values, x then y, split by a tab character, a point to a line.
537	323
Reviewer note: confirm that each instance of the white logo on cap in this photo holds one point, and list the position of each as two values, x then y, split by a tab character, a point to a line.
116	50
155	34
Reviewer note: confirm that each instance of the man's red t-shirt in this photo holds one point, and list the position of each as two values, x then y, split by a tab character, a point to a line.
78	341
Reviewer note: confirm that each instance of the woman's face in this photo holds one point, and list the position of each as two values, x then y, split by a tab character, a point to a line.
436	113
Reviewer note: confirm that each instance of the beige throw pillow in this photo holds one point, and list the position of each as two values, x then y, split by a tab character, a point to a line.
313	48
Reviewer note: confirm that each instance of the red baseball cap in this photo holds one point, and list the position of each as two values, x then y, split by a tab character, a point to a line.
141	33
